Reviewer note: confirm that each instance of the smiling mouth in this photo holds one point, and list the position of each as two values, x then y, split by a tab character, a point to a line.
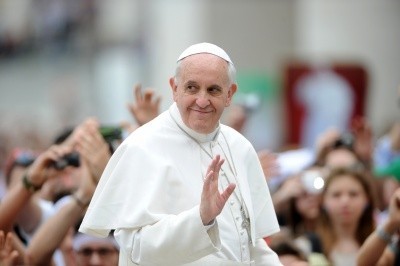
201	111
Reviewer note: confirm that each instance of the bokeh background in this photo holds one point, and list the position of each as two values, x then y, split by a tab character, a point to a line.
64	60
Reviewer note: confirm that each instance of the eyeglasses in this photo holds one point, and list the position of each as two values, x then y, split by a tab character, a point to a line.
18	157
102	252
24	158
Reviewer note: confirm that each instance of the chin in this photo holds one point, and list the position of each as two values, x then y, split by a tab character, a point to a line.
202	129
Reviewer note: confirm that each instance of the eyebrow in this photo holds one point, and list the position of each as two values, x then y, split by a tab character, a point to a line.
190	83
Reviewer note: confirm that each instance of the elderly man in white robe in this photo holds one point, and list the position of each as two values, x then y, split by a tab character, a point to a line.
185	189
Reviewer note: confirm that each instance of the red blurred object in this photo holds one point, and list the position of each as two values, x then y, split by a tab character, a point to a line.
355	74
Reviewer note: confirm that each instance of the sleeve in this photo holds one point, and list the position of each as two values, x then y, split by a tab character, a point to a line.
263	254
383	154
174	240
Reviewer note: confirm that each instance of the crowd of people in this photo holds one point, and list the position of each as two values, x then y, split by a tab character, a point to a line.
340	208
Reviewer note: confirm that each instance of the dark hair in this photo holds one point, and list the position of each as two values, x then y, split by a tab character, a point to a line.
366	224
287	248
18	157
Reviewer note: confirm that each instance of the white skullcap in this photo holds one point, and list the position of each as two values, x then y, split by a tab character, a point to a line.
206	48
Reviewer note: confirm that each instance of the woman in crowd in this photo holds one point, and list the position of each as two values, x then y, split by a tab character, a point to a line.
347	215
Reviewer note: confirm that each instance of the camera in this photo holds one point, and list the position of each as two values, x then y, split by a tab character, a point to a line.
345	140
312	181
110	135
70	159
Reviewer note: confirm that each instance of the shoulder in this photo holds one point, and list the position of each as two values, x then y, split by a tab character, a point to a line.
234	135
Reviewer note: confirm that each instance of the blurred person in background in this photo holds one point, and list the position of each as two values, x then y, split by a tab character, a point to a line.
298	204
94	251
94	153
387	153
163	210
387	150
289	254
382	247
347	215
23	205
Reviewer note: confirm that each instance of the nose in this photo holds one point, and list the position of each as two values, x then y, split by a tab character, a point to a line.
344	200
202	100
95	259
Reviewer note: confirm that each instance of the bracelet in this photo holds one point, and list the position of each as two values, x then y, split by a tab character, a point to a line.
383	235
79	201
28	184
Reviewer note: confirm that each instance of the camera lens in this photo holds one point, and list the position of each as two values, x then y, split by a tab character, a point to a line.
71	159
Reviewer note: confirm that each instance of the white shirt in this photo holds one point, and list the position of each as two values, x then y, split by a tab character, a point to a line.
150	194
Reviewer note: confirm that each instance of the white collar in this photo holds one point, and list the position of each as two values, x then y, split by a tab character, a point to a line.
200	137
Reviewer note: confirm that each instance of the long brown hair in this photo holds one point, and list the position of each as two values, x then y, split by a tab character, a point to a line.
366	224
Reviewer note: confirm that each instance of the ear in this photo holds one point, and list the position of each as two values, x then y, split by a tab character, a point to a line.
231	92
173	87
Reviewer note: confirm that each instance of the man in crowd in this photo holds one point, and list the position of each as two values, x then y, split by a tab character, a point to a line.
184	189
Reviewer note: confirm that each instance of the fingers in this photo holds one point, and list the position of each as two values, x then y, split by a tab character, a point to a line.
211	178
2	239
138	92
216	164
9	242
228	192
148	95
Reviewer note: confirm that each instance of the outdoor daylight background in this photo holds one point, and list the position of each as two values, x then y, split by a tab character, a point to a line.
64	60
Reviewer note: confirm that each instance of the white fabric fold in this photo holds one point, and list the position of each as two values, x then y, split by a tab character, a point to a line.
156	174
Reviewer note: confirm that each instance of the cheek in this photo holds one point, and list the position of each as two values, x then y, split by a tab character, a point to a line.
330	205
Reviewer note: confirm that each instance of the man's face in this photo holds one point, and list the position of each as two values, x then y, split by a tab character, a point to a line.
202	90
97	254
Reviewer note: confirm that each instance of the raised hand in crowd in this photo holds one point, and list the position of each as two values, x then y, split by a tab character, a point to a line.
146	105
269	163
363	139
381	247
94	154
8	255
290	188
92	147
19	195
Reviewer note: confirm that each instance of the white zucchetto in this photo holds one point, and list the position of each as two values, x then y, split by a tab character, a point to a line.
206	48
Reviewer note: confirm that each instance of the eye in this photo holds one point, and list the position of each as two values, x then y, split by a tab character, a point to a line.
191	89
87	252
354	194
214	90
335	194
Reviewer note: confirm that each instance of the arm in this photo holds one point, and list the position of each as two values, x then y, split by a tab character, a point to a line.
18	201
15	200
374	246
174	240
94	156
291	187
182	238
263	254
50	235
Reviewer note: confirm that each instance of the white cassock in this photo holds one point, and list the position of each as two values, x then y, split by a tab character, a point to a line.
150	194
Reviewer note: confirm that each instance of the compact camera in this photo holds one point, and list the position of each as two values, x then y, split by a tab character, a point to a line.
313	181
70	159
110	135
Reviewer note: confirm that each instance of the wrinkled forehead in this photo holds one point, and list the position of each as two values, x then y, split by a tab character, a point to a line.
205	67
